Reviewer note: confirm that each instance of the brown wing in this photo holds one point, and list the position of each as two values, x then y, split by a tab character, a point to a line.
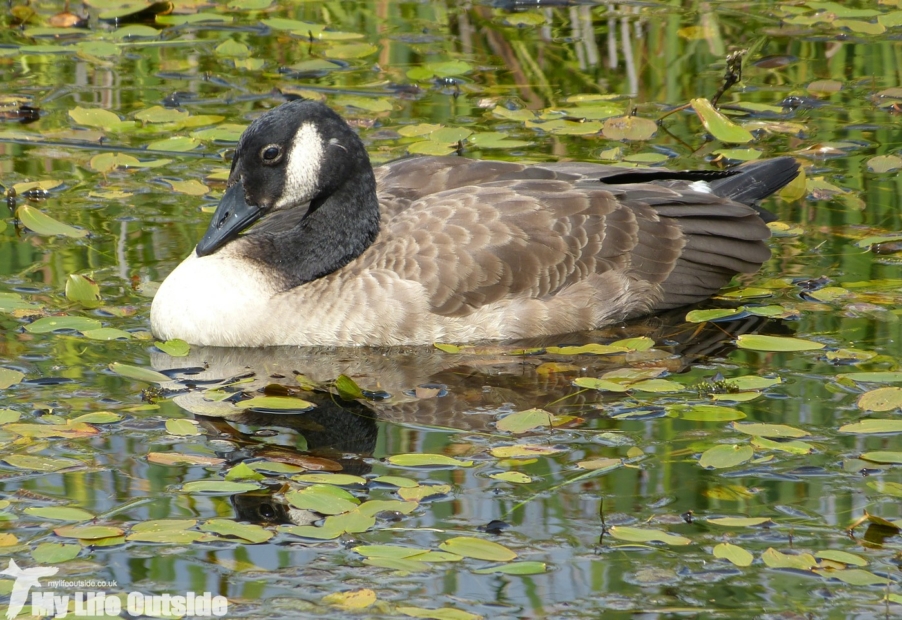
402	182
476	245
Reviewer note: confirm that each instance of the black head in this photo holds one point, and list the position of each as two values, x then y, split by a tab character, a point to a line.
298	153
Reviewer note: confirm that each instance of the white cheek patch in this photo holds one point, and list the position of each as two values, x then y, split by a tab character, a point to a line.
302	168
701	186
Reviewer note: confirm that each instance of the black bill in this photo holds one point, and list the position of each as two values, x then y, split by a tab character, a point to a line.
231	217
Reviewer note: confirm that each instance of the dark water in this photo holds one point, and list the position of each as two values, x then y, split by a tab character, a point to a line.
817	83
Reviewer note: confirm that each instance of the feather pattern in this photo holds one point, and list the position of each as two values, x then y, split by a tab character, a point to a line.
461	250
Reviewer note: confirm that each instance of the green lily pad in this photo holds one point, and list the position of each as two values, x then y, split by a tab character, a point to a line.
276	403
643	535
478	549
734	554
757	342
183	428
739	521
94	117
175	347
49	324
39	463
138	373
515	568
9	377
88	532
320	499
427	460
769	430
881	399
219	487
55	553
719	125
724	456
179	144
106	333
523	421
83	290
39	222
59	513
351	50
629	128
250	532
868	427
892	458
705	413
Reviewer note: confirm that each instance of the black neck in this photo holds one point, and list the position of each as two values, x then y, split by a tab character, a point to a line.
336	229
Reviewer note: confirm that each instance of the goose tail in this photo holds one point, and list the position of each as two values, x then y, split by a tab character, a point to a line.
755	181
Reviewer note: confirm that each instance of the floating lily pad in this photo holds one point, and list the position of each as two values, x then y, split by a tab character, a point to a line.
106	333
629	128
769	430
59	513
249	532
705	413
9	377
182	427
49	324
55	553
734	554
358	599
478	548
522	451
219	487
442	69
39	463
94	117
523	421
719	125
39	222
643	535
724	456
141	374
351	50
276	403
175	347
881	399
427	460
515	568
88	532
868	427
757	342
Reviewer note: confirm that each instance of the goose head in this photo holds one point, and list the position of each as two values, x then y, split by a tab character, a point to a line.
300	153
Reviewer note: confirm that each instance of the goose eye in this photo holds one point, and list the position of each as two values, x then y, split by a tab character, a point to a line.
271	154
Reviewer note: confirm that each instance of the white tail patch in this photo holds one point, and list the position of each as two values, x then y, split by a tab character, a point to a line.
701	187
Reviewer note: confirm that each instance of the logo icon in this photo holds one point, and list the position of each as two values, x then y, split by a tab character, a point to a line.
26	579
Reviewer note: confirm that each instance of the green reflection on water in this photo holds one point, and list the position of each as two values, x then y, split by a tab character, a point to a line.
653	57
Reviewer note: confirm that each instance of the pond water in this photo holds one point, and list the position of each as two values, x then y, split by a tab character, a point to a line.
646	494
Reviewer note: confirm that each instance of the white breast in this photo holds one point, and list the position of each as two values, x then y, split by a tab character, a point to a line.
216	300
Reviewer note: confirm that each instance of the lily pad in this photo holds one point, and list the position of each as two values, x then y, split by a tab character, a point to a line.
427	460
881	399
724	456
175	347
643	535
757	342
478	548
49	324
734	554
719	125
39	222
138	373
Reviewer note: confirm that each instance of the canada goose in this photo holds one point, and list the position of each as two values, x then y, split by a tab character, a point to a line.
447	249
